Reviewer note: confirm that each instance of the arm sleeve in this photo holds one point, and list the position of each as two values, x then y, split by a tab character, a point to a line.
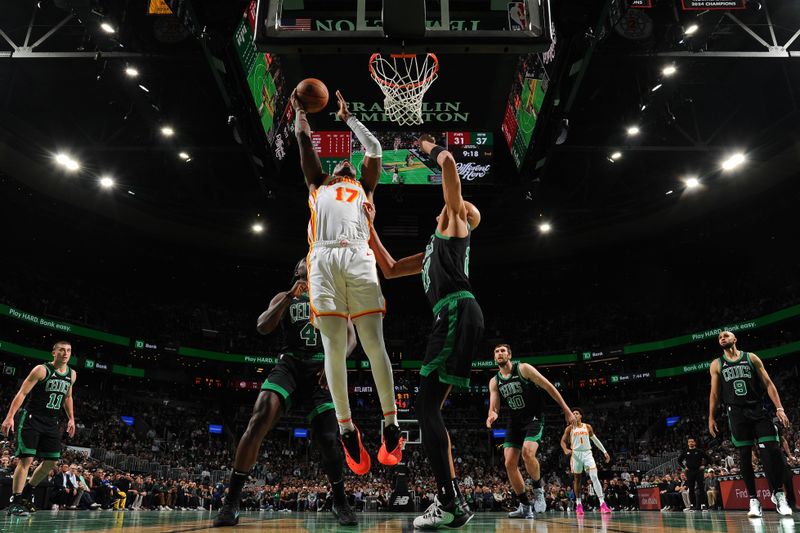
372	147
599	444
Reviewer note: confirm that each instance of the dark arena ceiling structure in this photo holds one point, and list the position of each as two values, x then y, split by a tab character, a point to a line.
640	102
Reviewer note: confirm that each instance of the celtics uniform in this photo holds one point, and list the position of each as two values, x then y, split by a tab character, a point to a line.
457	330
524	399
38	430
743	396
295	378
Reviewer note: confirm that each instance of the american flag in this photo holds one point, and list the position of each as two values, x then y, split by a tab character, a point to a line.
296	24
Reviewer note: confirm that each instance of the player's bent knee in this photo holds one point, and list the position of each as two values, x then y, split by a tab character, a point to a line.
267	410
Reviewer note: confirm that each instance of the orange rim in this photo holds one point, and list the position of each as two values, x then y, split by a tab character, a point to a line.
387	83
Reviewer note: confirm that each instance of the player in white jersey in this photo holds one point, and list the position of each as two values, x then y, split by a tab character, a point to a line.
343	280
581	436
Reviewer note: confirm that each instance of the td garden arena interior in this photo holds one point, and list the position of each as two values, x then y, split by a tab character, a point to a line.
184	253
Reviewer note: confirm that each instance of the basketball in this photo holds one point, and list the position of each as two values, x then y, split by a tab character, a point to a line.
313	94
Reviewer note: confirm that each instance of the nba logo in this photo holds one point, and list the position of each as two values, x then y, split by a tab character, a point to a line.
517	18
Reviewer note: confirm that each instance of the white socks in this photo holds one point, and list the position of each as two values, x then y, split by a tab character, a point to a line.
370	333
334	340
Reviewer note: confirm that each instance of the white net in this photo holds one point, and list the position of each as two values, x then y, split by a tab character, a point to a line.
404	78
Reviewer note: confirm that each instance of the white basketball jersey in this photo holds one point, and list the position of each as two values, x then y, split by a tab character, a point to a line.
337	211
580	439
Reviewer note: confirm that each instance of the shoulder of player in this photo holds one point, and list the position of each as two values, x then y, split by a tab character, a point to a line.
714	367
755	359
39	372
527	370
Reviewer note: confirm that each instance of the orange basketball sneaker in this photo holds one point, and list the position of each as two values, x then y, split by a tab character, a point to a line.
392	434
351	442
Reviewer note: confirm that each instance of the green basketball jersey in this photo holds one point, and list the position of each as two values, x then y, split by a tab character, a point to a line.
740	384
300	338
445	267
523	397
47	397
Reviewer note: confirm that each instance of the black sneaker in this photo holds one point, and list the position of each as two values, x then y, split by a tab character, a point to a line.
228	516
17	509
344	514
27	503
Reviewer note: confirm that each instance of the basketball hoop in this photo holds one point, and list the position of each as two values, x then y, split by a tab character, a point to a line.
403	79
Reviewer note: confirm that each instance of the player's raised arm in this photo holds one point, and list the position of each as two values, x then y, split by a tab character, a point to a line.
451	182
269	319
713	398
494	403
390	268
309	160
769	386
37	374
531	374
371	164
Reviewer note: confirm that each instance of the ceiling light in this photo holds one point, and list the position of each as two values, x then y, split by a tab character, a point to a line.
644	106
545	227
733	161
691	29
692	183
670	192
106	182
257	227
72	165
633	130
145	89
184	156
654	89
131	72
108	28
132	193
616	155
167	131
669	70
62	159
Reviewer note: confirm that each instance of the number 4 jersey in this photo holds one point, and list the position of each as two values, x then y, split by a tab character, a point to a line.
300	338
47	397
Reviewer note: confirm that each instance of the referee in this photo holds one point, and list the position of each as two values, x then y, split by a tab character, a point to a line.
692	458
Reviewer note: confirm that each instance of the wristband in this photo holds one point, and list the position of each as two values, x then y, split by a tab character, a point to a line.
780	409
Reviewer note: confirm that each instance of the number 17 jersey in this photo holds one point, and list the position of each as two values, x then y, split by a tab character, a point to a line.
300	338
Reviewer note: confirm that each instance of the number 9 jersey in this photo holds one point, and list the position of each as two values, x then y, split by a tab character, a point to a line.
342	275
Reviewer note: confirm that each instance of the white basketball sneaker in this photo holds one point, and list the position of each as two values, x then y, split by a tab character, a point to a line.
539	503
755	508
523	511
779	499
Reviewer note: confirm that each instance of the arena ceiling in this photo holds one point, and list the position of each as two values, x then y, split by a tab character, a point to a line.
71	93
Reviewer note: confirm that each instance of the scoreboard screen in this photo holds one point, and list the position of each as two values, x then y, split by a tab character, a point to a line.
403	162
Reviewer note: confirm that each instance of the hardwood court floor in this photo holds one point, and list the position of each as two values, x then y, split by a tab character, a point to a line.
255	522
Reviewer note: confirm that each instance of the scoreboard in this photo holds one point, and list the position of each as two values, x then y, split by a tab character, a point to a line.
473	153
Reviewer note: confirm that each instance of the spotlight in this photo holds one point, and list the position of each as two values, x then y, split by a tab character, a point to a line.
132	193
62	159
669	70
184	156
67	162
131	72
692	183
545	227
72	165
691	29
615	156
669	192
654	89
633	130
106	182
167	131
257	227
108	28
643	107
733	161
145	89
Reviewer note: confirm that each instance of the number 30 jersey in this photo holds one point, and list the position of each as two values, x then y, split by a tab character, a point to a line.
300	338
337	211
523	397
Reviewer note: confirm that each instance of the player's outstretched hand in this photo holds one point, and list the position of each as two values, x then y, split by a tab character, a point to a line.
369	210
71	428
343	112
299	288
712	427
570	418
297	105
783	418
321	379
491	418
608	457
8	426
